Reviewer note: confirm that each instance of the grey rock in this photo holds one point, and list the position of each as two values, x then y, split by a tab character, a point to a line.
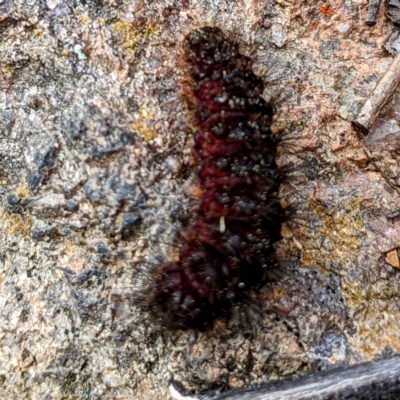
129	223
393	44
41	150
46	205
41	231
72	204
393	10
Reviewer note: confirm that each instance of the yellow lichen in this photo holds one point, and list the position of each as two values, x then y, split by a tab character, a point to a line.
38	32
84	18
130	37
22	190
371	302
15	223
374	313
336	236
8	70
145	131
143	128
68	245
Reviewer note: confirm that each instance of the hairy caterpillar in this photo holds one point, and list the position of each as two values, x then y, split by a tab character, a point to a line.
230	244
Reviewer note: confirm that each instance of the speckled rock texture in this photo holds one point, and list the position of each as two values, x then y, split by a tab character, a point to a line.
97	186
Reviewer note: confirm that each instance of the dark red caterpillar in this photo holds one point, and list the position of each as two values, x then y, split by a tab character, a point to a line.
230	244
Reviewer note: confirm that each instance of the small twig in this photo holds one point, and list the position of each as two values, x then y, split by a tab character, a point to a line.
378	99
372	107
373	8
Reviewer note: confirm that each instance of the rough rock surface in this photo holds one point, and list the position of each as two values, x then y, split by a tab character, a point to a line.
96	187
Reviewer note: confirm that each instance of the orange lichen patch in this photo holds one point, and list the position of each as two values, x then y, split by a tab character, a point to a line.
15	223
278	292
336	238
327	10
130	37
